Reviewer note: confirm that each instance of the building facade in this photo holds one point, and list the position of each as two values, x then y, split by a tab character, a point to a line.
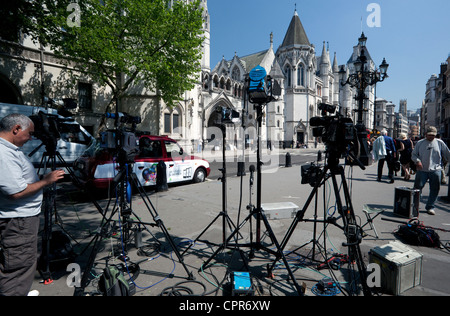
29	72
436	105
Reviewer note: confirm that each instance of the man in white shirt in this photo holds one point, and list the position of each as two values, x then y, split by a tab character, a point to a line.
428	156
20	205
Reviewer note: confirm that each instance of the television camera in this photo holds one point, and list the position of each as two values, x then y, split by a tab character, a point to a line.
49	127
122	141
337	132
340	137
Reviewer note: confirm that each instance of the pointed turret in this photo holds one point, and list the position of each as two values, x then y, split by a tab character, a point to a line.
335	64
325	56
296	34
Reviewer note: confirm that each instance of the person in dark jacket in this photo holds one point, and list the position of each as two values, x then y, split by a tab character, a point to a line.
391	154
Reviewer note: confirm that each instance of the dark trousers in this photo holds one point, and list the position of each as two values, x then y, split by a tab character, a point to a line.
390	163
18	255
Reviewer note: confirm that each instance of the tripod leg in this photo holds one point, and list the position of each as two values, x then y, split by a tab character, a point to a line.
102	232
49	204
148	203
201	234
299	217
353	238
281	255
79	185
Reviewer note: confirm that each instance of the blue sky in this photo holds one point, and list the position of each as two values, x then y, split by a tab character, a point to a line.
414	35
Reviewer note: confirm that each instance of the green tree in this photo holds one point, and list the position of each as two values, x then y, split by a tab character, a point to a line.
118	43
18	16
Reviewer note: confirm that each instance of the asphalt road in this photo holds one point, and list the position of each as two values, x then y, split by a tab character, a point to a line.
298	157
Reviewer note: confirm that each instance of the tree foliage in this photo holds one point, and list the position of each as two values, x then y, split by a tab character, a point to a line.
118	43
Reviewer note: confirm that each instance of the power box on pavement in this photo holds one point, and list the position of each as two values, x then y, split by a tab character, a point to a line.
400	267
242	284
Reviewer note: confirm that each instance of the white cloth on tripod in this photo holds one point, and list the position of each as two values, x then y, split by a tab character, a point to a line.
379	149
16	173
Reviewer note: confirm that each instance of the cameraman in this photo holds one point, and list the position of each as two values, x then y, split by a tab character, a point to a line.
20	205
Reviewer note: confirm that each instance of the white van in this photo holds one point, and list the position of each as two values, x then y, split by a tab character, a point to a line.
70	145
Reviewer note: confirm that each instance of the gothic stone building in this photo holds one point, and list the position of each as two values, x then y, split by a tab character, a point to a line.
306	78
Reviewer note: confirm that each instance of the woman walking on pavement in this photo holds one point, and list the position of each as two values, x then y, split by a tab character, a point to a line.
406	154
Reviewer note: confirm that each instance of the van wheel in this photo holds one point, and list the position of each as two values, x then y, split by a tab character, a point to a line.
199	176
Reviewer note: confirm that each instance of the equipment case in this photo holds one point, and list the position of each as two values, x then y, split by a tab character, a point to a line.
400	267
281	210
406	203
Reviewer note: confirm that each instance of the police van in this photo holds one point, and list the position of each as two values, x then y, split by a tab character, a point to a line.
71	143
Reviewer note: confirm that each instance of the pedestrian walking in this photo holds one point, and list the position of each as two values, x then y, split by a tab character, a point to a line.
384	151
406	155
428	155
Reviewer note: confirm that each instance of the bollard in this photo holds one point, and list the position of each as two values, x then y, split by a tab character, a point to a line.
161	177
288	160
241	168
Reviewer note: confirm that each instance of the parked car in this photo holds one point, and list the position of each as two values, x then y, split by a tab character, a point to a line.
96	167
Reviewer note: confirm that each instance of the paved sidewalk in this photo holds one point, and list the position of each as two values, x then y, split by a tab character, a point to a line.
186	210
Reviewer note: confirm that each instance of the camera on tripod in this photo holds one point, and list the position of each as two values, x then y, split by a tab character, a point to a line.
48	128
122	141
337	132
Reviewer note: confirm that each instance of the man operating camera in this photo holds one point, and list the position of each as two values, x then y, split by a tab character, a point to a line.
21	194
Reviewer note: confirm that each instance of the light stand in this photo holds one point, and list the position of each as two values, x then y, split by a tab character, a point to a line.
226	220
259	96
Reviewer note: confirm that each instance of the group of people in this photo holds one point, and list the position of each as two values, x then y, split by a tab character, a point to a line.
427	159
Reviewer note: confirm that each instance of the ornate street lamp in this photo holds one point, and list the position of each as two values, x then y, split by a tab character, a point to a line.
362	78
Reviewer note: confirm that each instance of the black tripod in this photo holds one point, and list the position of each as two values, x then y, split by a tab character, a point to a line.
226	220
123	182
49	160
257	212
351	230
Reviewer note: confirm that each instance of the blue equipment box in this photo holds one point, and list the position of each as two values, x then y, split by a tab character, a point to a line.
242	284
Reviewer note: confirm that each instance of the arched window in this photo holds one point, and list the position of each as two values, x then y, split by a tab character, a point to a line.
288	73
206	82
301	75
228	86
172	121
236	74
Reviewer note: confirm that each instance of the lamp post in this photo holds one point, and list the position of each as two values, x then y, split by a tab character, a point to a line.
361	79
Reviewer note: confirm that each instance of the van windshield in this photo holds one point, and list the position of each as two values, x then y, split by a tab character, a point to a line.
78	138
